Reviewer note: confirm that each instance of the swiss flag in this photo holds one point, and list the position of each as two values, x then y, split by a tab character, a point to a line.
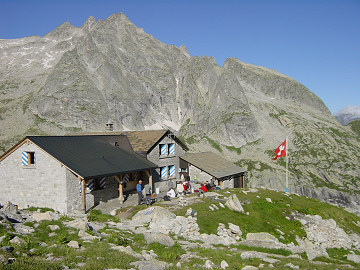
280	151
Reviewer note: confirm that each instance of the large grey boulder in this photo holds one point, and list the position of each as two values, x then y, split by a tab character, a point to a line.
150	265
17	241
10	208
353	257
23	229
38	216
157	215
128	250
73	244
79	223
312	250
234	204
160	238
253	254
262	237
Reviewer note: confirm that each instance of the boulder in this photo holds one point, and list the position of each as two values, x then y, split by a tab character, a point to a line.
53	227
354	258
234	204
127	250
209	264
158	214
85	236
249	267
262	236
224	264
253	254
80	223
73	244
23	229
17	241
10	208
235	229
150	265
160	238
37	216
312	251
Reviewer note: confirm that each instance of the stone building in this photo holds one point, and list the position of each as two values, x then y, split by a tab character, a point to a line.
207	165
78	171
69	173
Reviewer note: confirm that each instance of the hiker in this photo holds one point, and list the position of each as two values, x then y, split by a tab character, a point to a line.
186	187
207	185
180	188
203	188
171	193
212	182
147	194
139	192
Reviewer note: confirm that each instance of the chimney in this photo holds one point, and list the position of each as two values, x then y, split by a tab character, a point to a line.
109	127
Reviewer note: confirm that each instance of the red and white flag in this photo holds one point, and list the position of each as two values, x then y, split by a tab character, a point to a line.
280	151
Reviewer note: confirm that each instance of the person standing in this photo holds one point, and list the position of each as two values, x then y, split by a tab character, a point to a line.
139	192
147	194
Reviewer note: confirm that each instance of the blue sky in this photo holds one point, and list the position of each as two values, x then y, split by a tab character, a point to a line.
315	42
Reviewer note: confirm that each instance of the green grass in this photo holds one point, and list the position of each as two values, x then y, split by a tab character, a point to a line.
355	126
167	254
233	149
97	215
41	209
214	144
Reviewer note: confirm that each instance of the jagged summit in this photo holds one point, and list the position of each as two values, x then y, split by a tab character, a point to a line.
77	78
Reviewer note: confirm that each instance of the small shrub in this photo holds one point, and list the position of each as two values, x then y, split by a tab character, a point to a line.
62	239
117	239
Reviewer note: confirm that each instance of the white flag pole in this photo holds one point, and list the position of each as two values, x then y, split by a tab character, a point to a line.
287	153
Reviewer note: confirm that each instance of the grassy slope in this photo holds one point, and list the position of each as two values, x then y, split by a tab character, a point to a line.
263	217
355	126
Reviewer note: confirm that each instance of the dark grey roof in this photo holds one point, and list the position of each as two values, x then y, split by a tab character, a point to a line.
141	140
93	156
212	164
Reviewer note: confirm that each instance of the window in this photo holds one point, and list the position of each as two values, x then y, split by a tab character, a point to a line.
28	158
164	172
172	149
172	171
163	149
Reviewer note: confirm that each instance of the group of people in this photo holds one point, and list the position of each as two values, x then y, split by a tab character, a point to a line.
147	190
181	188
207	186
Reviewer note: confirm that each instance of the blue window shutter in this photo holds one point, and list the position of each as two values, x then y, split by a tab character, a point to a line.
164	172
172	170
172	149
24	159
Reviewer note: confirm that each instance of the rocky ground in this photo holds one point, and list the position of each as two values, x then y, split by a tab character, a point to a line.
233	229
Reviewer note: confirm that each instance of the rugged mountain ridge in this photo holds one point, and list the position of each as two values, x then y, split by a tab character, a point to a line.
78	79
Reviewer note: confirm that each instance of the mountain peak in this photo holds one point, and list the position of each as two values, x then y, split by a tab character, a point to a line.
120	17
89	24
